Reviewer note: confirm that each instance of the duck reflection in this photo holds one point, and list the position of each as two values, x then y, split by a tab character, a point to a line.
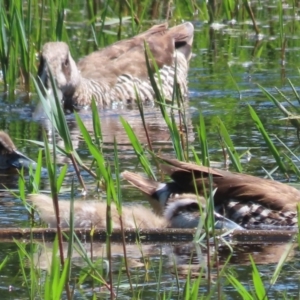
192	258
181	258
113	130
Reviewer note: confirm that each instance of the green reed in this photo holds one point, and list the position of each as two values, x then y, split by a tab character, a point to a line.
102	170
21	38
59	123
59	278
8	44
26	26
287	159
261	289
267	139
23	31
292	111
228	145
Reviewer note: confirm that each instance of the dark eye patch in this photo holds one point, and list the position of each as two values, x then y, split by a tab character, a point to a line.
66	68
192	207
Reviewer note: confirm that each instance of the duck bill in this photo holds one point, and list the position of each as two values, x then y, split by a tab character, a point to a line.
18	160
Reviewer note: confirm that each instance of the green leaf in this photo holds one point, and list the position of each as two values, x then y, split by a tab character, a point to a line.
257	282
234	157
267	139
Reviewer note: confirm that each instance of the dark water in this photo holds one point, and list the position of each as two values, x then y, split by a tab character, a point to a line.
218	53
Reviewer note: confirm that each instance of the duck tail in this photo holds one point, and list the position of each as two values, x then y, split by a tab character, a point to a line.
147	186
157	193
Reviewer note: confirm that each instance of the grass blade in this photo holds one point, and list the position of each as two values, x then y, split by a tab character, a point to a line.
267	139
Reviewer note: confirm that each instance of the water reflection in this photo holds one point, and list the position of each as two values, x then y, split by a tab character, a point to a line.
146	261
214	93
113	130
179	254
180	258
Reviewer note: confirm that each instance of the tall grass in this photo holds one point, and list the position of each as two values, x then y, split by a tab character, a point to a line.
23	31
104	173
26	26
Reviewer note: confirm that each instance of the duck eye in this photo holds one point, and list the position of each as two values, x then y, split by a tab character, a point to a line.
193	207
66	68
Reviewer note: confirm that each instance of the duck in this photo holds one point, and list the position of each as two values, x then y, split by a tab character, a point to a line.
183	213
118	73
10	157
249	201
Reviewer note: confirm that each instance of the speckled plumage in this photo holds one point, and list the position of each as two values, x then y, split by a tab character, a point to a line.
247	200
112	74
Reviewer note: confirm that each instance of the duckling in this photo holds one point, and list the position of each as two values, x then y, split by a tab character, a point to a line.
115	73
247	200
93	213
10	157
183	213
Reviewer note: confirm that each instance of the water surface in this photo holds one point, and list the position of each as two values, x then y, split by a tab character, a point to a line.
225	57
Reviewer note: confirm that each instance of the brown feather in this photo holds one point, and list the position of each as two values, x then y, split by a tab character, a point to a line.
6	144
271	194
183	213
93	213
111	74
246	200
